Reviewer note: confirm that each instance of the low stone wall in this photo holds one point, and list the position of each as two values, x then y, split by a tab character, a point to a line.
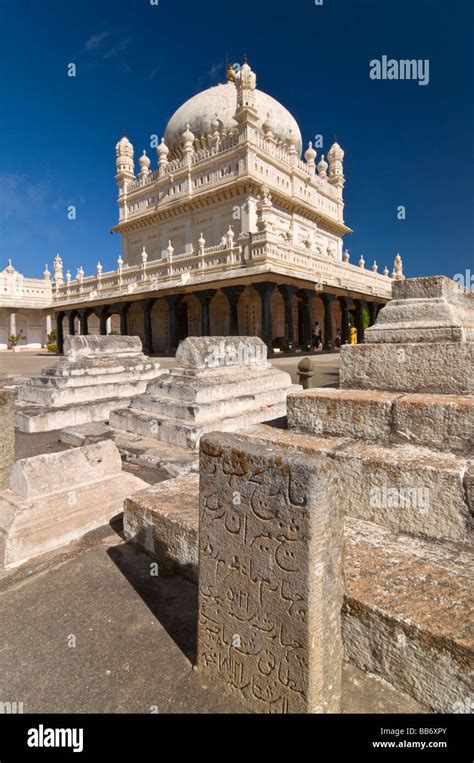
7	439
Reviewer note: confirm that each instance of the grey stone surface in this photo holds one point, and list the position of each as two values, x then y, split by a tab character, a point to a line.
270	576
86	385
99	346
430	309
441	422
143	451
443	368
342	413
190	400
7	439
220	351
404	488
387	627
56	498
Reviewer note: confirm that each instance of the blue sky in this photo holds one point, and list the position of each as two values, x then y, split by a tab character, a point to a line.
405	144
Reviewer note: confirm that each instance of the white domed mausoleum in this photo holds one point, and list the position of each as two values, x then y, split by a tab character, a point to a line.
230	230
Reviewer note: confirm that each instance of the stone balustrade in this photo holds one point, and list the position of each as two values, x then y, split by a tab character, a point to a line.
248	253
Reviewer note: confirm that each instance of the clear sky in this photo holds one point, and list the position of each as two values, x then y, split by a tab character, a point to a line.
406	144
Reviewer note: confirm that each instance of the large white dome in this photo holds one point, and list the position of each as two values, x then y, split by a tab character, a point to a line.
221	102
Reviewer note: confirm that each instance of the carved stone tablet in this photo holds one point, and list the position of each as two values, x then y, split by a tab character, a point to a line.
270	575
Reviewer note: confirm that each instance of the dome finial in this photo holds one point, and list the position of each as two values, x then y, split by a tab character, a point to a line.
230	73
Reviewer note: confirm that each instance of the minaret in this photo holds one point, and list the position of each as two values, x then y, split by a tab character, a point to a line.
58	271
397	273
246	115
125	172
336	169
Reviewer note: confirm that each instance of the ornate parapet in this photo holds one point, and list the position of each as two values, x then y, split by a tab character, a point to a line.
261	251
18	291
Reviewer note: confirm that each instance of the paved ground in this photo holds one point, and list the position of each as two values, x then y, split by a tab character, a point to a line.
31	362
134	636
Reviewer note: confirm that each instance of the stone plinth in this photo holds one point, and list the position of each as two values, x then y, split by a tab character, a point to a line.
270	576
423	341
97	374
56	498
7	439
220	383
387	628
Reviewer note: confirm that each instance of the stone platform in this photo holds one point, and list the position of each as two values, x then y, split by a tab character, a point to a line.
135	449
222	383
97	374
56	498
407	602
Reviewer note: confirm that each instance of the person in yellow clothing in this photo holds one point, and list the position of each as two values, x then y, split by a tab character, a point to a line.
353	335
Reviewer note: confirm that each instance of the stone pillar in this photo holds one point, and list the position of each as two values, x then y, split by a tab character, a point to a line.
233	295
373	310
108	325
307	297
47	326
359	319
328	341
288	293
124	318
265	290
103	313
70	318
344	320
147	306
60	332
84	318
270	575
204	298
172	301
12	325
7	440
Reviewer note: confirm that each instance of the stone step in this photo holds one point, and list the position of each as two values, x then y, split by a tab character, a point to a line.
72	395
134	449
208	386
407	602
206	413
37	418
105	376
407	489
444	422
187	435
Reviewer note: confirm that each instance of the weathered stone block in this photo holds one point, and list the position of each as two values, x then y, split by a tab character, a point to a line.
163	520
342	413
58	497
432	309
202	395
407	615
220	351
98	374
404	488
436	421
7	439
100	346
270	576
445	368
388	628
